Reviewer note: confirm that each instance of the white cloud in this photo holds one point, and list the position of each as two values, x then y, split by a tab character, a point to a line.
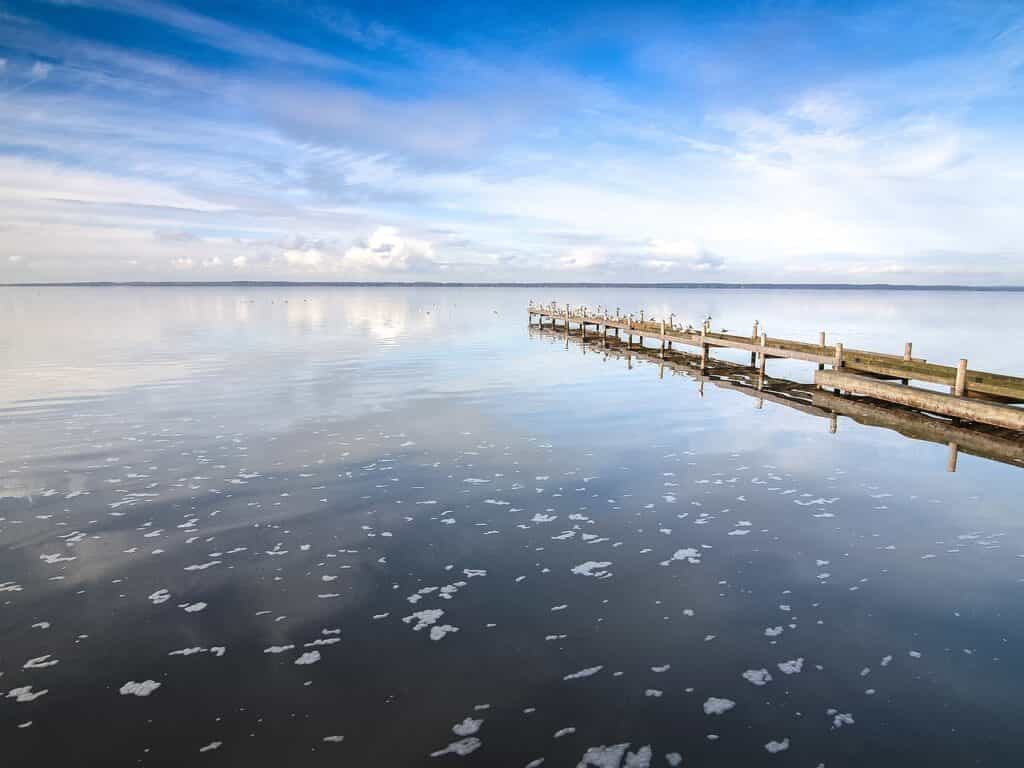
583	258
387	251
183	262
239	262
312	258
40	70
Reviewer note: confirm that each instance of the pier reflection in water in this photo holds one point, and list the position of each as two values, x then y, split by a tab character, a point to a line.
980	440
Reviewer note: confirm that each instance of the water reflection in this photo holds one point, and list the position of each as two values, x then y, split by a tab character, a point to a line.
385	524
976	439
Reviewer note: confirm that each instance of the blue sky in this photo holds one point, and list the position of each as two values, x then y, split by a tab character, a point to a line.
752	141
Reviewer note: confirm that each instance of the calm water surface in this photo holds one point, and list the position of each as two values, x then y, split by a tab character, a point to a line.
391	527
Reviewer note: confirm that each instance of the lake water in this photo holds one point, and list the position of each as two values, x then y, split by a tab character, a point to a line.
393	527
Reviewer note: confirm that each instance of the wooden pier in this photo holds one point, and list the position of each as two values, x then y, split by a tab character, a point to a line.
974	396
993	443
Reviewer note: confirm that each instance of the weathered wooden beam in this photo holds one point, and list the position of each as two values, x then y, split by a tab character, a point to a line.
1004	416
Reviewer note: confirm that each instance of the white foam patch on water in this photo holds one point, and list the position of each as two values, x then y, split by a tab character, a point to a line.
772	631
334	739
56	558
202	566
146	687
310	657
40	662
689	555
592	568
674	759
662	668
438	632
542	518
424	618
639	759
467	727
792	667
842	718
25	694
192	607
461	748
653	693
777	746
212	746
757	676
160	596
584	673
603	757
278	648
564	732
717	706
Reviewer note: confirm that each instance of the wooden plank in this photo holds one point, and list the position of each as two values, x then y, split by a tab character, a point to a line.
1004	416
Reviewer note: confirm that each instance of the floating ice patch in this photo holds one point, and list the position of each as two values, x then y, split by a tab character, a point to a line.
757	676
542	518
564	732
674	759
212	746
461	748
653	693
773	631
663	668
41	625
309	657
717	706
160	596
592	568
791	667
334	739
146	687
777	746
584	673
192	607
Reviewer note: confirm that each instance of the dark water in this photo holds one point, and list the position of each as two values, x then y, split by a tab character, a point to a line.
387	526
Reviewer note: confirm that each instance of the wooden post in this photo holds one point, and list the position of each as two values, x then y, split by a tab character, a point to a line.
703	349
954	451
662	339
960	385
629	334
906	351
837	362
833	424
821	342
753	340
764	357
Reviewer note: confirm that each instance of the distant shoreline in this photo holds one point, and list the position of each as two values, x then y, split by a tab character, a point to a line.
431	284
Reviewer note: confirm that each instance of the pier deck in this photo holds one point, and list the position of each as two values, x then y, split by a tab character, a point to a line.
974	395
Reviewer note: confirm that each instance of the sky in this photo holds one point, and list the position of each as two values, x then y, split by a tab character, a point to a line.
842	142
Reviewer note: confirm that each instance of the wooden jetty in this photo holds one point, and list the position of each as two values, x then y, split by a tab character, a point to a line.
974	396
993	443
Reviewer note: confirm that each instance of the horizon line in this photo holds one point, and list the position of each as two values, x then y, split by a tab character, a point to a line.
507	284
